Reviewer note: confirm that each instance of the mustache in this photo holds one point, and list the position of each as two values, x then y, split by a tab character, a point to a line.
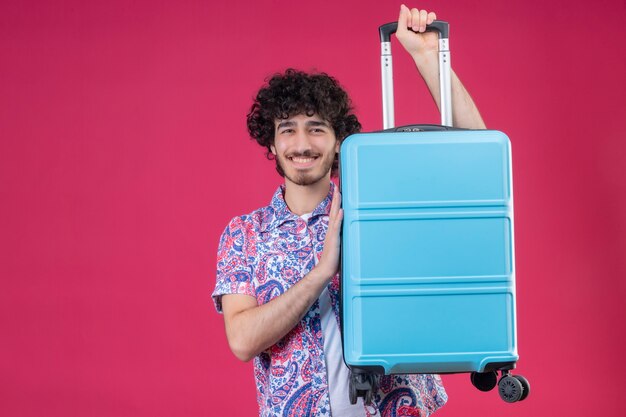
305	154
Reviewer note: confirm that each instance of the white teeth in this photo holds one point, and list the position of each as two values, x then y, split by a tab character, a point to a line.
302	160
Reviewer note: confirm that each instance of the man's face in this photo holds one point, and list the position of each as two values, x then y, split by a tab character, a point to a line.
305	148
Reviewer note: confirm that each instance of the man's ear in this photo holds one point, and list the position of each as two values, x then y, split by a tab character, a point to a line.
273	149
337	146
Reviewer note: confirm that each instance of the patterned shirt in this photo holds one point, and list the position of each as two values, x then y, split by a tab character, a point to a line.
263	254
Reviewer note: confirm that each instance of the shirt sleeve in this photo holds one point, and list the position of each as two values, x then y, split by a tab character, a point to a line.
234	275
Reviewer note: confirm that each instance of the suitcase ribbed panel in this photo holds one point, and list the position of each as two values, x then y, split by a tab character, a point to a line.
427	251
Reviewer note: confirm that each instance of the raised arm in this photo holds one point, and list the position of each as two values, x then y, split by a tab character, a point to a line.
251	329
423	48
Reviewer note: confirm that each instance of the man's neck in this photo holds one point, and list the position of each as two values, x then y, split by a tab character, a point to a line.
303	199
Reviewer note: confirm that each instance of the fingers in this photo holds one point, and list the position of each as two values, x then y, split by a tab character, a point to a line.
329	261
423	17
415	19
335	205
431	18
418	20
336	212
334	227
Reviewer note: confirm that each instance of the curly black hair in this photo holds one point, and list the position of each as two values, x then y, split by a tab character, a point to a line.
297	92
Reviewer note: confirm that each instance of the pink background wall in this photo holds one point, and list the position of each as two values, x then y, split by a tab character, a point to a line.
123	154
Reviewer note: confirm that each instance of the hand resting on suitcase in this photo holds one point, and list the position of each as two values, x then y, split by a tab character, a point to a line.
252	329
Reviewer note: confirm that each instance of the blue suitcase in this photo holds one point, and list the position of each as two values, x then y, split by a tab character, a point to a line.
428	268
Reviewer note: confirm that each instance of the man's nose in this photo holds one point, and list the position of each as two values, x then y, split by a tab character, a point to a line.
302	142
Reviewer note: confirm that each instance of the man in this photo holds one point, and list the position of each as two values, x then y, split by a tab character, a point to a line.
277	275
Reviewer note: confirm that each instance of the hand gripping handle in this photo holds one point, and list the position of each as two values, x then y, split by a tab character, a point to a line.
445	88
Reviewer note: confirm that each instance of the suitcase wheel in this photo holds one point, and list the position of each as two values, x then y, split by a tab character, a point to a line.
361	385
484	381
352	392
369	396
525	386
510	389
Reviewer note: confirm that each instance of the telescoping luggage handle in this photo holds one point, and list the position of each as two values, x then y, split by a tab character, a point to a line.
445	87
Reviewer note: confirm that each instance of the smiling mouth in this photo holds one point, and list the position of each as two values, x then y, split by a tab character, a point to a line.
305	161
302	160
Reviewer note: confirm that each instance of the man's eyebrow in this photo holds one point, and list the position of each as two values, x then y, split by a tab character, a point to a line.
308	123
286	123
317	123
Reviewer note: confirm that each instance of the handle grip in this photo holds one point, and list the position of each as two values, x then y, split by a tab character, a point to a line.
445	86
385	31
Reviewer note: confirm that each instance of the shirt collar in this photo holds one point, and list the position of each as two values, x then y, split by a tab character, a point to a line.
279	213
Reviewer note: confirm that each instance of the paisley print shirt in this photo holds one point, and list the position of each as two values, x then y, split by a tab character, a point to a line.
263	254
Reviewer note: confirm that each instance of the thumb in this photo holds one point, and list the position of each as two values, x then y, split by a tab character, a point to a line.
403	20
